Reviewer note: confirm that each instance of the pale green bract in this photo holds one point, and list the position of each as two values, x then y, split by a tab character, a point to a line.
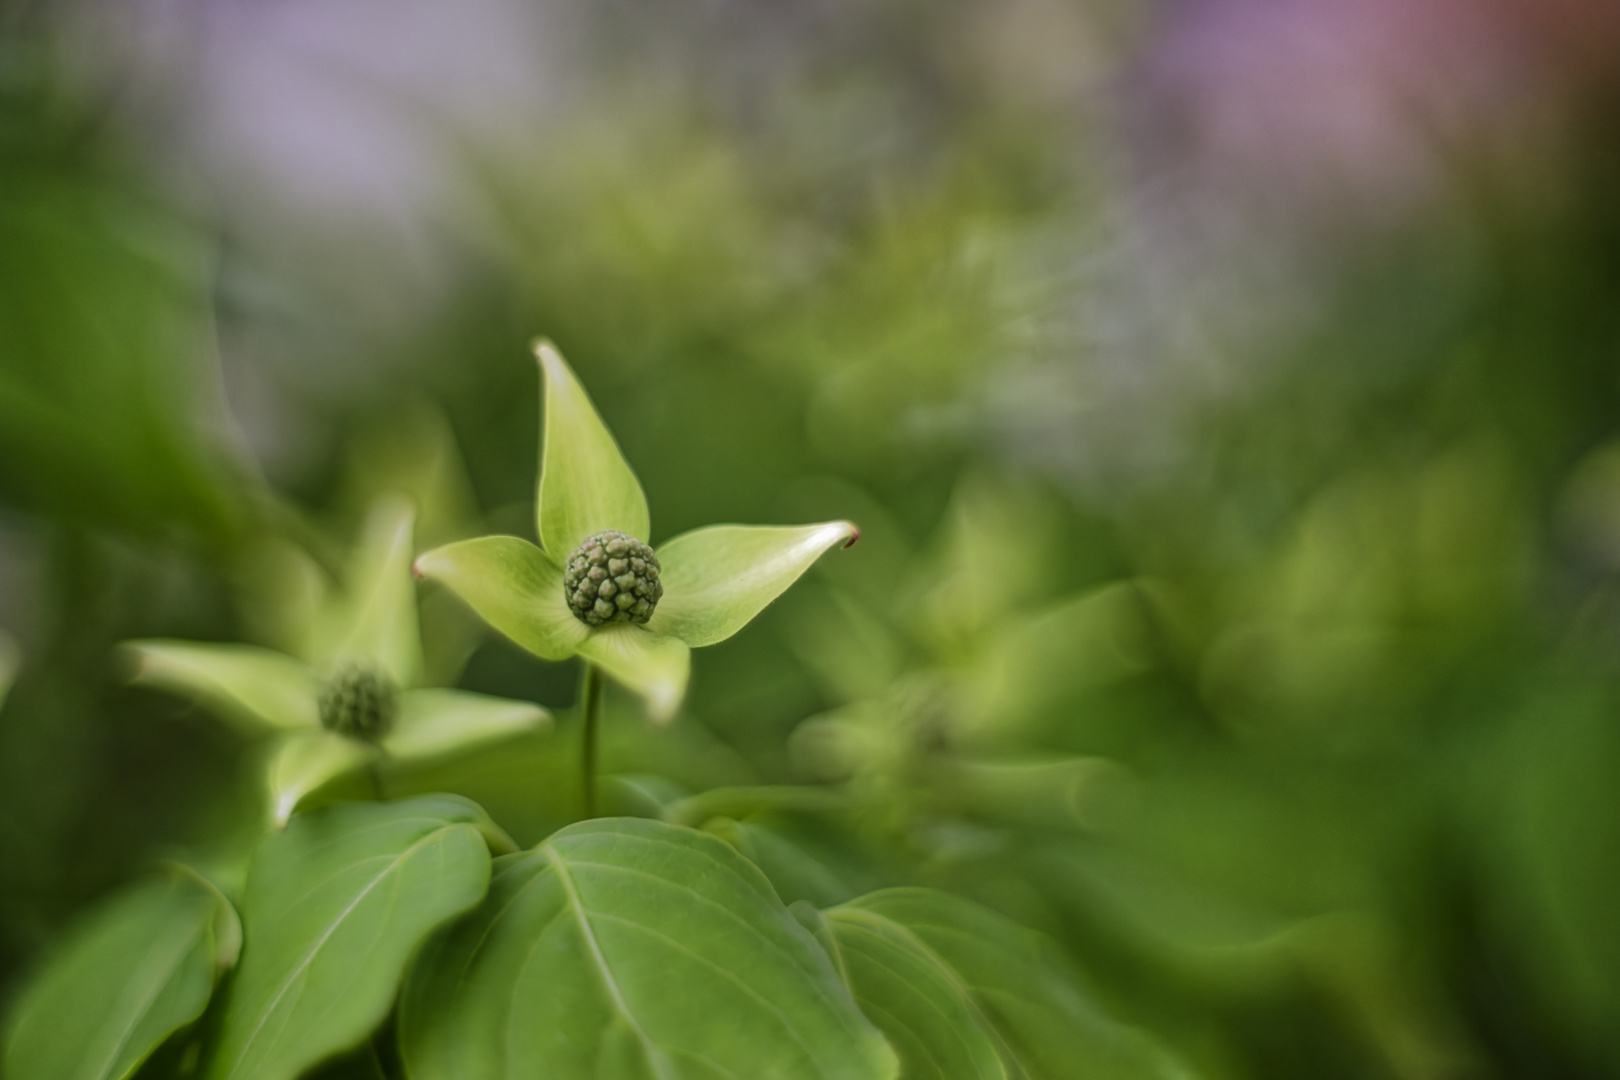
333	909
631	949
374	619
255	688
586	486
715	579
140	968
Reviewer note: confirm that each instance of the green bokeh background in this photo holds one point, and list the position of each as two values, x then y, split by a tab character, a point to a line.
1236	599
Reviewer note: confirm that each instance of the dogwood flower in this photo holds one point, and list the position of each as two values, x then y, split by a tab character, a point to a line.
594	587
352	695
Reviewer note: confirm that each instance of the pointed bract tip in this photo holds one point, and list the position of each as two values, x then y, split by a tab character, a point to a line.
854	535
544	350
416	570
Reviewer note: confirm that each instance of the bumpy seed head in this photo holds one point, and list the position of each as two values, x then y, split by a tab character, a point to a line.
612	577
359	700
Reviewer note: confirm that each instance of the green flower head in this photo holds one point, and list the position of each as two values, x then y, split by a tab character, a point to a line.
613	577
595	587
350	692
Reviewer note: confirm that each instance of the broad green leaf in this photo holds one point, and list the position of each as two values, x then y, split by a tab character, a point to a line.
514	587
628	948
586	486
304	762
254	687
717	579
332	911
908	950
434	722
142	967
376	614
914	999
654	666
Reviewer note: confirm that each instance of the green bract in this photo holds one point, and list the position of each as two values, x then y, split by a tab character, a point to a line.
354	692
714	579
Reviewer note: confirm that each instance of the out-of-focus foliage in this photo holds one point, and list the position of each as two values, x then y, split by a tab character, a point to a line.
1227	398
167	940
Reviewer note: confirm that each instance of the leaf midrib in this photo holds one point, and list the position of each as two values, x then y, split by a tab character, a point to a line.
571	891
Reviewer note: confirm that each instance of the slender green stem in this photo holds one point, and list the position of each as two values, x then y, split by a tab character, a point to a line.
590	711
378	792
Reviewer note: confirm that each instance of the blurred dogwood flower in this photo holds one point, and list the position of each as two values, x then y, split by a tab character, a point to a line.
353	692
594	587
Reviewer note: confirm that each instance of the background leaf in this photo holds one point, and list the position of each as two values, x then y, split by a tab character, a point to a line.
622	947
140	968
333	908
586	486
717	579
946	979
10	662
916	1001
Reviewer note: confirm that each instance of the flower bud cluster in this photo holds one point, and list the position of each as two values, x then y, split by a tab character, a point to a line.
612	577
359	700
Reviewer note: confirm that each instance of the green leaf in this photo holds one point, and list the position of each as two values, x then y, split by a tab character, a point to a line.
376	614
586	486
629	948
514	587
795	872
254	687
717	579
140	968
916	1001
304	762
945	979
654	666
435	722
332	911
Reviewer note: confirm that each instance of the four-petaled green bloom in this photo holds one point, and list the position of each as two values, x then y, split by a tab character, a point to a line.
698	588
353	693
